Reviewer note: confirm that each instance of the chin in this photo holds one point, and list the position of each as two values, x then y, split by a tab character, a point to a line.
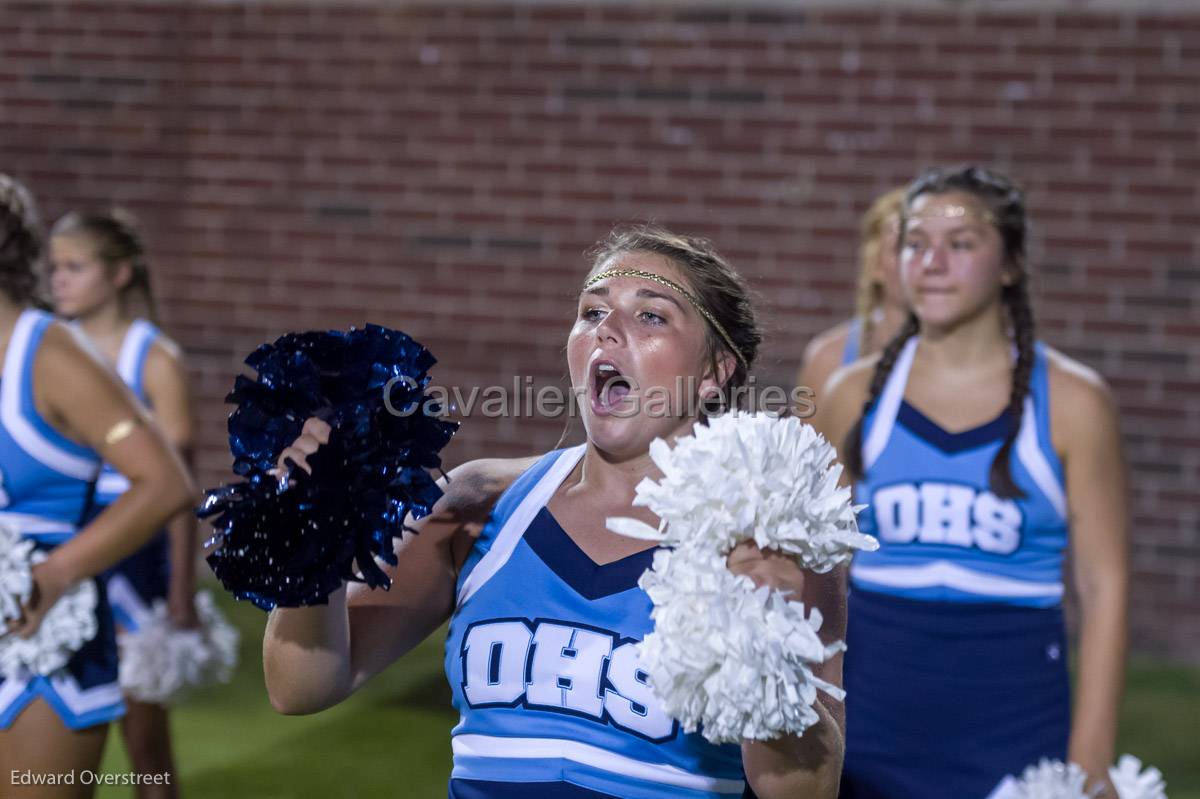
618	437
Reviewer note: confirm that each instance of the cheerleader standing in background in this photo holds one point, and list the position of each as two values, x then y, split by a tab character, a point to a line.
61	412
99	278
517	557
880	308
976	448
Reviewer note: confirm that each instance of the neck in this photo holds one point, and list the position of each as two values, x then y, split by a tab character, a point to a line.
972	341
9	310
887	320
616	478
104	322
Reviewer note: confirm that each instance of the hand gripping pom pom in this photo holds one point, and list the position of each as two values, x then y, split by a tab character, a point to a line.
725	657
293	546
69	624
161	663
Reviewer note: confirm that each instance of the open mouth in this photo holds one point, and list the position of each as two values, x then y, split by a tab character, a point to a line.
609	386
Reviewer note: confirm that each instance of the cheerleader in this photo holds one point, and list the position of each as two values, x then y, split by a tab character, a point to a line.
977	450
51	445
99	278
879	304
542	600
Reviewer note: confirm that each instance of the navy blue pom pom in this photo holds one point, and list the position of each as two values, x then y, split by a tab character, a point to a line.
292	546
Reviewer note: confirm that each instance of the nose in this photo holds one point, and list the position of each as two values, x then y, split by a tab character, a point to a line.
933	259
612	327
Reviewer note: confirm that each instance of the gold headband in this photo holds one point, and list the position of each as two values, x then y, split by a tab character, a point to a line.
671	284
957	212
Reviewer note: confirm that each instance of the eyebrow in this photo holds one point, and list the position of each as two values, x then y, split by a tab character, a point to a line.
602	291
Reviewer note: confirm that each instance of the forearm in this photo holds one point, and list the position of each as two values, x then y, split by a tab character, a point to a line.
121	529
1101	677
181	533
306	656
808	766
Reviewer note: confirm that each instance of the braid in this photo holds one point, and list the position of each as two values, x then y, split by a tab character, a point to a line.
852	448
1016	297
20	242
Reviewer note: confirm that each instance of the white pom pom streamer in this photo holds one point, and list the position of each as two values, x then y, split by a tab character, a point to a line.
160	663
751	477
69	624
16	579
1052	779
726	656
1133	783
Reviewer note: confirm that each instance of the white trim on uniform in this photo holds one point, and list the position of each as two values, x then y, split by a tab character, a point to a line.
85	700
944	574
1036	463
127	361
23	432
587	755
10	689
30	524
112	483
510	534
889	405
121	595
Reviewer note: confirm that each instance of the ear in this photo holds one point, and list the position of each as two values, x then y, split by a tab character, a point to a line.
122	275
711	384
1014	273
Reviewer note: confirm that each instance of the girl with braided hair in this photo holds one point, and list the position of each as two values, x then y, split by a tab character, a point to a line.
99	278
976	449
880	309
62	412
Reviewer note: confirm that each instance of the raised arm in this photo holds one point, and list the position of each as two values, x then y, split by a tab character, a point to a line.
315	657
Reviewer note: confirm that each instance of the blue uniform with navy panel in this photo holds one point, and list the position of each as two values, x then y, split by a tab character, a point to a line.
138	580
955	670
45	480
540	656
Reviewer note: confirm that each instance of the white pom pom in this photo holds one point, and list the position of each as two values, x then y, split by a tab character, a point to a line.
1052	779
16	579
727	657
69	624
751	477
1133	783
160	663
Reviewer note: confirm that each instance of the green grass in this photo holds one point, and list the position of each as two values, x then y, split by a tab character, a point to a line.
393	738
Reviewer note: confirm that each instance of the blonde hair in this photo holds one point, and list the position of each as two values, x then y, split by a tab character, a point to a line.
873	229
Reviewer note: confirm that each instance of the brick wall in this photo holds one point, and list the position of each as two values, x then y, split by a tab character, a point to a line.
441	169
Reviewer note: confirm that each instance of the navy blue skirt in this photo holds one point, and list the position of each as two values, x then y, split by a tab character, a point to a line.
946	698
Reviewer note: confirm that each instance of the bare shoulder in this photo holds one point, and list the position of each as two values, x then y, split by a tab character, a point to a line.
842	401
476	485
828	346
64	349
1080	399
1073	383
850	382
165	348
164	361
